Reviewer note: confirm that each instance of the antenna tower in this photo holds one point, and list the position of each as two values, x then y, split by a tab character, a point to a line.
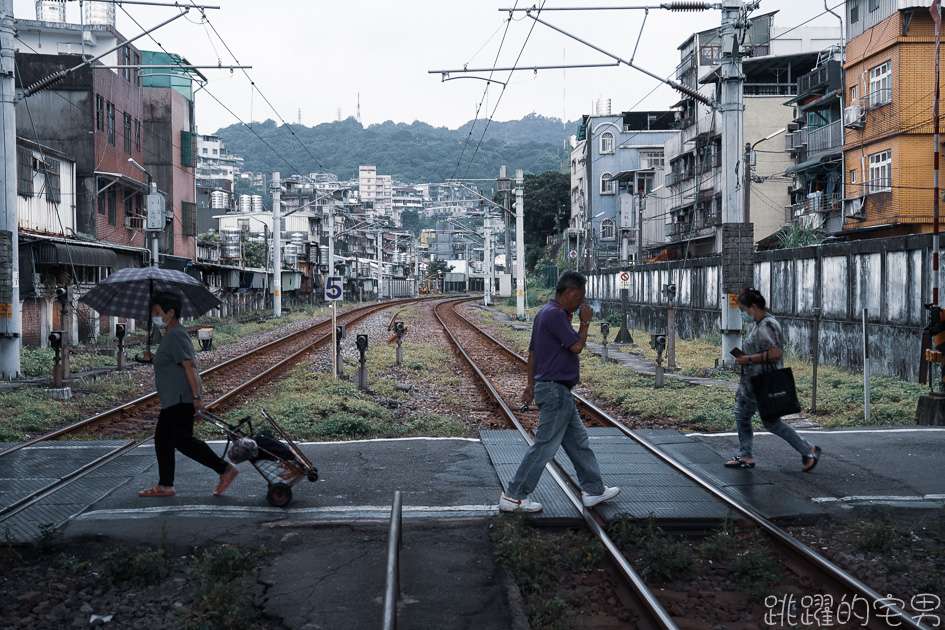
359	108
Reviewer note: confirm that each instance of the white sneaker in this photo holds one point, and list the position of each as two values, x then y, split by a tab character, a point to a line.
508	504
590	500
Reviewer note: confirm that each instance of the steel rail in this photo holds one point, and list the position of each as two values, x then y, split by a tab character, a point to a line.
15	508
657	613
787	542
127	407
392	582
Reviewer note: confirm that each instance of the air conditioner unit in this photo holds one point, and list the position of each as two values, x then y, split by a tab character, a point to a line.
853	208
853	117
134	223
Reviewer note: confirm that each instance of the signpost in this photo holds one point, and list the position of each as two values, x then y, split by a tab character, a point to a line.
334	291
623	283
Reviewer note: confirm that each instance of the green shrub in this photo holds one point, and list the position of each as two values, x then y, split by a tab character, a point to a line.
142	566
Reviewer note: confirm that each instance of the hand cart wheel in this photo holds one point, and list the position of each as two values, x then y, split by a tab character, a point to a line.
279	494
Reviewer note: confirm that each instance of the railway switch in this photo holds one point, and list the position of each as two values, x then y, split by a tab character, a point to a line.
604	331
361	342
55	340
399	331
658	343
205	336
120	331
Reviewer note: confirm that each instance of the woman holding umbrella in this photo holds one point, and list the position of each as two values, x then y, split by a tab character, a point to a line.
181	393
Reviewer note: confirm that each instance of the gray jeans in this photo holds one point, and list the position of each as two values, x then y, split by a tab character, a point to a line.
745	408
558	425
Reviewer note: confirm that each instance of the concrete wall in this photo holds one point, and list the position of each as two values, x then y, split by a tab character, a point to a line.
888	277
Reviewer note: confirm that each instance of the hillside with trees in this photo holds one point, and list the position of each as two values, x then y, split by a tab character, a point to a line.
414	153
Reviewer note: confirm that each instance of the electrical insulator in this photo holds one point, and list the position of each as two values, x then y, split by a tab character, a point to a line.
688	6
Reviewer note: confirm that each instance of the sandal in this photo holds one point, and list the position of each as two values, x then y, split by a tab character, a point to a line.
157	491
225	480
810	461
738	462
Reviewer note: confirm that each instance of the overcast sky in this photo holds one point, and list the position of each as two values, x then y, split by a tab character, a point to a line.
317	56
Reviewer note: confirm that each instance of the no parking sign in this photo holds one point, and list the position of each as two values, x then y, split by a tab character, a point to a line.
623	280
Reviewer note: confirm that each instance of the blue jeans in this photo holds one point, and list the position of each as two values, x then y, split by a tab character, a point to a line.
745	408
558	425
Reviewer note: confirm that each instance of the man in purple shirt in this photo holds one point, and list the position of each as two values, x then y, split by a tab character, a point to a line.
553	369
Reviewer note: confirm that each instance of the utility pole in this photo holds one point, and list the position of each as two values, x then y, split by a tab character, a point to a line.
488	259
746	201
276	188
640	227
11	321
380	261
416	267
331	238
520	243
737	235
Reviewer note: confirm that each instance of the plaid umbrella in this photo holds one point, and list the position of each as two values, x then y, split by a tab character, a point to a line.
127	293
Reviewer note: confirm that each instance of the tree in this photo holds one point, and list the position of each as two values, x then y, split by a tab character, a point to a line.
410	220
547	200
440	266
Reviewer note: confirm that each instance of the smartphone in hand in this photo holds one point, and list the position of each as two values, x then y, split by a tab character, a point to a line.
736	352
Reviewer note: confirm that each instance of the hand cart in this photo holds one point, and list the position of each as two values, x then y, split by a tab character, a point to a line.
282	465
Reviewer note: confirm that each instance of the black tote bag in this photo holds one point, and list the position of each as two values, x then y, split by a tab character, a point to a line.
775	393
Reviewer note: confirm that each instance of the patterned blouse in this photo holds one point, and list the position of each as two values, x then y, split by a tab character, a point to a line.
763	335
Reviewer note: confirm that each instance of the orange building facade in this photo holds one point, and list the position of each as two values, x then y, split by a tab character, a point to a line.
888	144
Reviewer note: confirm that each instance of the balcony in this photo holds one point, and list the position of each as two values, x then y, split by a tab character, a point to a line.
815	202
825	78
826	139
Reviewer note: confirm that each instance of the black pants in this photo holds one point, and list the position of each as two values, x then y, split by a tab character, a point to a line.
175	430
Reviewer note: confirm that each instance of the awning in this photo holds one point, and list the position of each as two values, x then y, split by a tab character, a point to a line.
124	180
627	176
824	160
46	253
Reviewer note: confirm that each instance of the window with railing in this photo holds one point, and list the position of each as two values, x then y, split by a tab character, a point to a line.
607	187
881	84
880	172
608	230
607	142
651	159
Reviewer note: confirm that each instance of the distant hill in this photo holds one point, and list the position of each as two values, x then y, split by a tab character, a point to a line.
414	153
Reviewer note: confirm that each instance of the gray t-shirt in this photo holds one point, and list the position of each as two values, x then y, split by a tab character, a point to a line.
169	376
764	335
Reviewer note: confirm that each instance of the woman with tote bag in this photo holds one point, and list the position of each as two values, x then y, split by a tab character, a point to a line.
763	353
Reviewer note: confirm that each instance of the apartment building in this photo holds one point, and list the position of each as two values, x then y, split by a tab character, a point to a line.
888	147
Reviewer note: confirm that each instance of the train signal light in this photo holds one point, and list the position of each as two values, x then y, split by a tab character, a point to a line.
340	331
120	331
658	342
55	339
605	329
61	294
399	328
361	342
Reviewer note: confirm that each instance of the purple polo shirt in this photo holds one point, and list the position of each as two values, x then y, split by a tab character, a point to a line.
552	335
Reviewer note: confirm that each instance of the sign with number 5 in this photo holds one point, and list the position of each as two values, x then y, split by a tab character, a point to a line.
333	288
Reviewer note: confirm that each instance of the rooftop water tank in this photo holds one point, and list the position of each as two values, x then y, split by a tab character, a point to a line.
100	13
230	239
603	106
246	203
219	200
51	10
258	203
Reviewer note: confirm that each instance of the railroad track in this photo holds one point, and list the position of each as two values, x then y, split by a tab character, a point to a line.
473	343
239	376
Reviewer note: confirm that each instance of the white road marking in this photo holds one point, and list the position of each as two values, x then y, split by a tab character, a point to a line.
239	511
823	431
878	498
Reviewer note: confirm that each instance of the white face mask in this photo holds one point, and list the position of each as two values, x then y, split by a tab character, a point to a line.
158	321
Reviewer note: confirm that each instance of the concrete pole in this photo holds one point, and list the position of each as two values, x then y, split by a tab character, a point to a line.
416	268
488	260
11	321
640	227
732	112
155	235
276	188
380	261
520	243
331	238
